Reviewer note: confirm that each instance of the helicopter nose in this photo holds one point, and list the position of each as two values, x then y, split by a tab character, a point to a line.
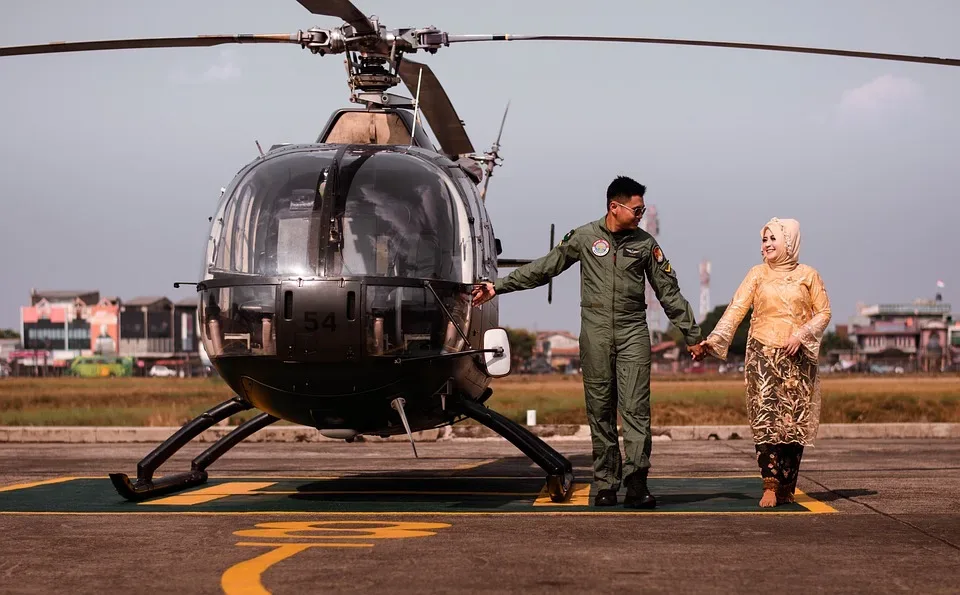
320	321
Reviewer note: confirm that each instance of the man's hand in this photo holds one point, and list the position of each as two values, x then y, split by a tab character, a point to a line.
793	344
483	292
697	352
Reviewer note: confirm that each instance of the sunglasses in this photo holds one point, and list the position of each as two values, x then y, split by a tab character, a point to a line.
637	211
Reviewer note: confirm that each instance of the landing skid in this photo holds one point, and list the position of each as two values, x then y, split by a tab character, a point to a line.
558	468
146	487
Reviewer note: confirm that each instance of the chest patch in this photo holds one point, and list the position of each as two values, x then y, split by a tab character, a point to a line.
601	247
631	251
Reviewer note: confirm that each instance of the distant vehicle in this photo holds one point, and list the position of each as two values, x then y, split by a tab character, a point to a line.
101	366
161	371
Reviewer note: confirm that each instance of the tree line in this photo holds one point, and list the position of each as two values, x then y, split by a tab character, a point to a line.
523	341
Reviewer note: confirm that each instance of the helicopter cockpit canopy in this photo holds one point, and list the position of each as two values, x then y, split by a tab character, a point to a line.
382	213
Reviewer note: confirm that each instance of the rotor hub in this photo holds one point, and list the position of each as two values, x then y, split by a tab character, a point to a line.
369	74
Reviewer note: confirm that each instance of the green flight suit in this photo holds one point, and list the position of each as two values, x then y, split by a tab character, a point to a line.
614	338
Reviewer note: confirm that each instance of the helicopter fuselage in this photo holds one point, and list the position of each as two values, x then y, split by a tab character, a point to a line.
338	278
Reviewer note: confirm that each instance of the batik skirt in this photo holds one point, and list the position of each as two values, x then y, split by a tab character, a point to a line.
783	404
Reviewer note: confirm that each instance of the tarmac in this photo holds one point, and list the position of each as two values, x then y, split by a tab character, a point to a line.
872	515
297	433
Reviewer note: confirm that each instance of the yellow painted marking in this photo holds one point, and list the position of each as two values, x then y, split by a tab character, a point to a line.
812	504
244	578
33	484
341	530
409	513
316	477
204	495
467	466
386	493
579	497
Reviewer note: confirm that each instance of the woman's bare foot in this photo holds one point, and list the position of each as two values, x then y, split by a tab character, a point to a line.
769	499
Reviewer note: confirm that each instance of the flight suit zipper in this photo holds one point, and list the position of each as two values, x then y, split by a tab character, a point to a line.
613	296
615	246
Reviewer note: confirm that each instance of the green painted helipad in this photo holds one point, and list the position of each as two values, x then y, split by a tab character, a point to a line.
384	494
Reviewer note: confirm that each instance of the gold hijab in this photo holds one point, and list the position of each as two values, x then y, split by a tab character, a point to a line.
789	230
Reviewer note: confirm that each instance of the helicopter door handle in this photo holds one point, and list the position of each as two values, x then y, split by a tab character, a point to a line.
351	305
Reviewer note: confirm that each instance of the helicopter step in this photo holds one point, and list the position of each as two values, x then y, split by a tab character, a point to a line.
558	468
146	487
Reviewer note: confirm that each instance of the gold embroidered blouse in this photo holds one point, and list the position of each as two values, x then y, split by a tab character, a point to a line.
785	303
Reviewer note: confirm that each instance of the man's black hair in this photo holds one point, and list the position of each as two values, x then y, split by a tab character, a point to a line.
622	188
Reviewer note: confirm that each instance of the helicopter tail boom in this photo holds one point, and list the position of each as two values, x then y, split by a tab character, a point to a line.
518	262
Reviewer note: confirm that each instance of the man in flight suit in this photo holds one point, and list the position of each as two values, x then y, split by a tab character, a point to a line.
615	257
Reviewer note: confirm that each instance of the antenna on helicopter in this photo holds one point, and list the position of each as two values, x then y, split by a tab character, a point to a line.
259	148
491	158
416	107
398	404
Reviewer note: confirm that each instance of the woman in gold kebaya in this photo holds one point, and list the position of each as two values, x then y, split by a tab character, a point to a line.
791	311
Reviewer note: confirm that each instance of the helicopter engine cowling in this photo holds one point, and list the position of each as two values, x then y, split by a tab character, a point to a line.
339	278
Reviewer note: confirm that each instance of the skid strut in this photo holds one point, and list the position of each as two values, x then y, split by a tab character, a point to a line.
146	487
558	468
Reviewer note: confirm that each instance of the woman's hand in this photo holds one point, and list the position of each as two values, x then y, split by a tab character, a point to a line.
702	351
793	345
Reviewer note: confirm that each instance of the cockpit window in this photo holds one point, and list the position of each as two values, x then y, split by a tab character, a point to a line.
271	222
398	218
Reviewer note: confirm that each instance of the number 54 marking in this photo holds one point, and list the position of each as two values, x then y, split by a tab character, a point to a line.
311	321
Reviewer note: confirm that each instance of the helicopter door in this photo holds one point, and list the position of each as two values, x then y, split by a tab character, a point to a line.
320	321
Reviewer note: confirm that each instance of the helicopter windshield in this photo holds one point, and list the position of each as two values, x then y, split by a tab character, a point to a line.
392	215
398	219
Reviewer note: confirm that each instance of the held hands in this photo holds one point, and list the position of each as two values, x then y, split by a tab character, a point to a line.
483	292
697	352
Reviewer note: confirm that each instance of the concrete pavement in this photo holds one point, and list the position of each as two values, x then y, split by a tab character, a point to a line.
884	517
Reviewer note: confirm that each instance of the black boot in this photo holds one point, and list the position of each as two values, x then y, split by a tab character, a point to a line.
638	496
605	498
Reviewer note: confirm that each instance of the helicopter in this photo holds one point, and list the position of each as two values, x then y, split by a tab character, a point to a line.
336	284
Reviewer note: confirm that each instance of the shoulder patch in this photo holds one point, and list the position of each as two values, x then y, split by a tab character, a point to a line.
567	237
657	254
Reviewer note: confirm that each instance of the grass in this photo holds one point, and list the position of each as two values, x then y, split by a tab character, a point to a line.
681	400
720	399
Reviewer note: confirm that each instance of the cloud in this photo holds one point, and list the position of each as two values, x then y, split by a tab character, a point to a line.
224	69
881	95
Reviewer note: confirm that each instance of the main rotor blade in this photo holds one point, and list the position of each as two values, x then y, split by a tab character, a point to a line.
156	42
436	107
343	9
720	44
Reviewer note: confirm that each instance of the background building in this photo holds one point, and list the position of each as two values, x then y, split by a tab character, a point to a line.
560	350
55	326
60	326
914	337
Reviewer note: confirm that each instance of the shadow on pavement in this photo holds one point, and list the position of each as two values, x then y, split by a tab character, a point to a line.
834	495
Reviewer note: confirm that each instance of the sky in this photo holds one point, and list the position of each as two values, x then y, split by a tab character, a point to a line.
111	162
